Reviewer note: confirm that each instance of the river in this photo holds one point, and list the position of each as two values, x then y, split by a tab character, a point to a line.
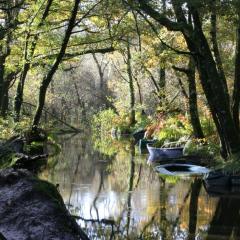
117	195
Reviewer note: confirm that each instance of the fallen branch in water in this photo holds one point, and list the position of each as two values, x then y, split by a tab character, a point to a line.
26	159
102	221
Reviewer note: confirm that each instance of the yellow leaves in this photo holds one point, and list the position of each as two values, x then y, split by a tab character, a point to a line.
98	21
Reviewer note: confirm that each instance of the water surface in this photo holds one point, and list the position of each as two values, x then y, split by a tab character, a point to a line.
120	196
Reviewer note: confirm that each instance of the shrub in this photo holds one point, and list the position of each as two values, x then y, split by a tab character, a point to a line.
201	147
105	121
173	129
208	127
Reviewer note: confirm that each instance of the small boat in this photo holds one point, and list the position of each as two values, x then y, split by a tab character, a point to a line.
138	135
143	143
177	169
221	178
161	153
220	183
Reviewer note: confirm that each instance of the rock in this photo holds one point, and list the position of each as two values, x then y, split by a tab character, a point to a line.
33	209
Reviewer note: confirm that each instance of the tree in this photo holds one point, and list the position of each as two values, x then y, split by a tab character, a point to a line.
131	84
192	97
9	22
47	79
211	79
28	55
62	55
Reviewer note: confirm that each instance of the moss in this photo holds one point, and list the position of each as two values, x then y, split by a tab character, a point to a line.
50	191
7	159
34	147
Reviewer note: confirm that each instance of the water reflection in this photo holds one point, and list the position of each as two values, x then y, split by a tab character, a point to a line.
121	197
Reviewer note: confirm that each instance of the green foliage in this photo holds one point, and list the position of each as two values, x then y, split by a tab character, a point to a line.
104	121
7	159
208	126
173	129
201	147
8	127
33	147
142	122
50	191
53	147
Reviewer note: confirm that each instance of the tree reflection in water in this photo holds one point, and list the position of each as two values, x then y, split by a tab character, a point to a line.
121	197
226	221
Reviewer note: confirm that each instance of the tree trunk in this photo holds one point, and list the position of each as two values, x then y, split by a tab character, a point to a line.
49	76
100	72
27	64
5	99
162	85
216	51
236	89
214	90
19	92
193	107
131	86
140	95
2	70
192	98
211	81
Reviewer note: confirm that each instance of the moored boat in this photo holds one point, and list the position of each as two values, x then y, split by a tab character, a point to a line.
176	169
172	152
138	135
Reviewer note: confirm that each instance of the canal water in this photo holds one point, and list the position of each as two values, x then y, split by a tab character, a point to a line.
115	194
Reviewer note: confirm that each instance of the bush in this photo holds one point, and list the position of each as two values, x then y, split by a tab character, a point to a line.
208	127
9	128
173	129
105	121
201	147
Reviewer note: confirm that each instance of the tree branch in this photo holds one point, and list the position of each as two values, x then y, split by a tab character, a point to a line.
161	18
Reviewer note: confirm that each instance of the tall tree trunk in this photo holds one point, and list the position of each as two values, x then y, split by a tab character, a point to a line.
212	84
27	64
193	106
19	92
100	72
47	79
216	94
139	94
131	85
236	89
2	71
162	85
215	47
5	99
192	98
5	51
